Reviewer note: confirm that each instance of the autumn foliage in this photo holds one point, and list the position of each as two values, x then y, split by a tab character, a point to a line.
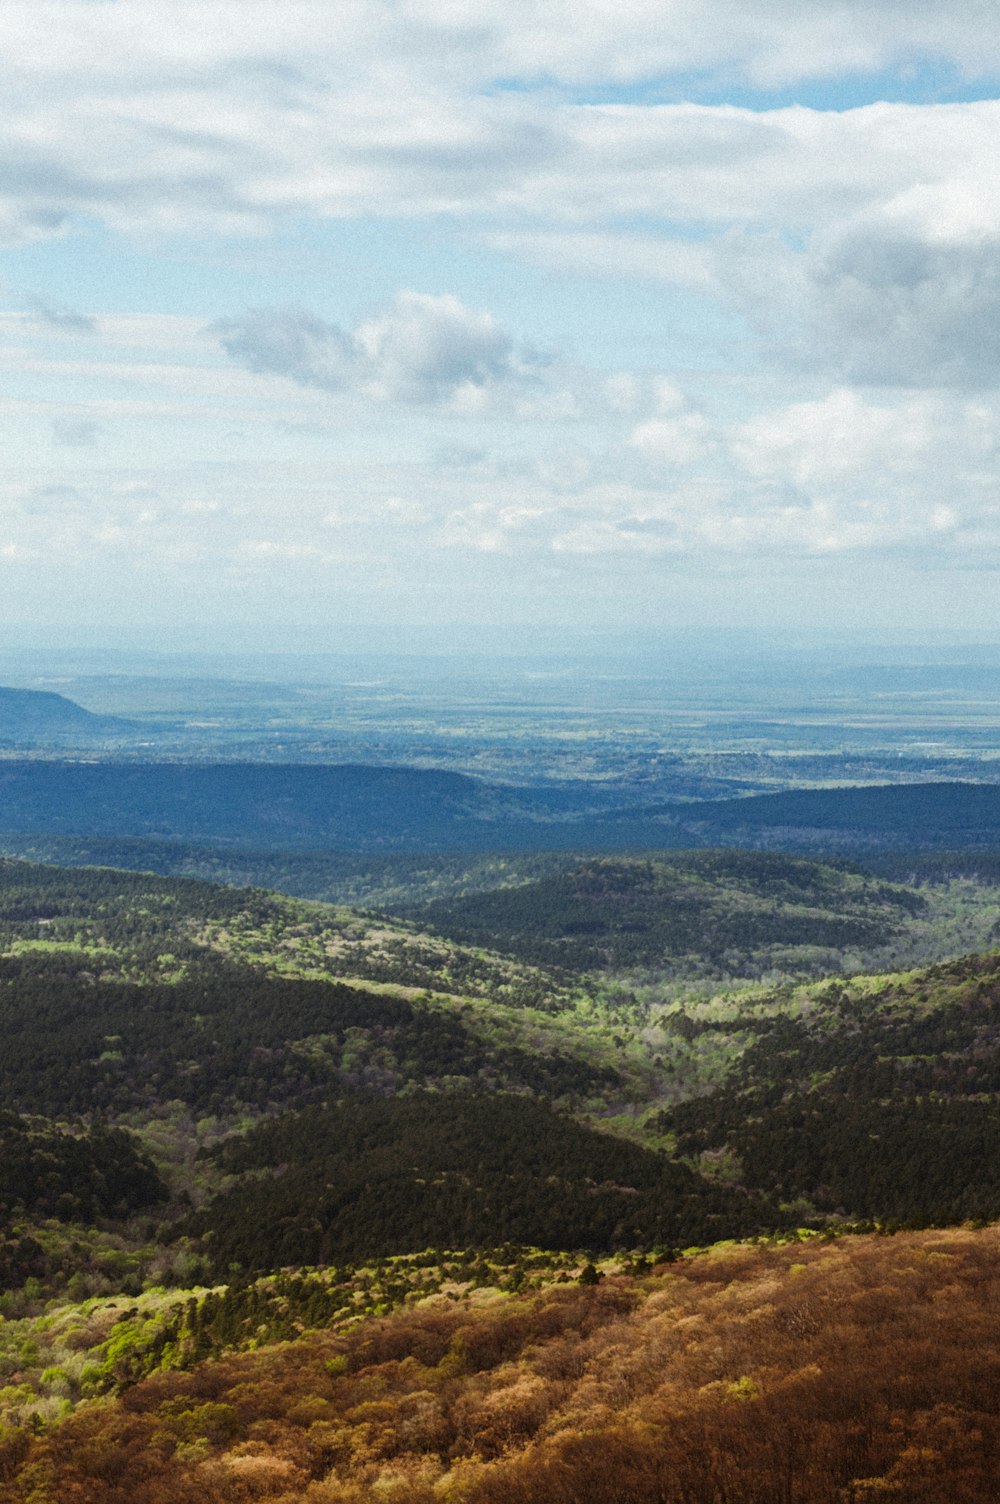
840	1372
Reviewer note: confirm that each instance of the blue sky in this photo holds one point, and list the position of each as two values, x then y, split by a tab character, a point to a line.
323	316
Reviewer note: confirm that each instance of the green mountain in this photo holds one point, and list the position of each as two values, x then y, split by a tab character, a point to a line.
875	1098
374	1088
716	908
297	1201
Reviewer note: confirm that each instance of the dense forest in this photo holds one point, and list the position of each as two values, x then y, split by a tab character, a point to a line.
815	1373
854	1102
301	1203
360	1180
76	1177
877	1101
633	912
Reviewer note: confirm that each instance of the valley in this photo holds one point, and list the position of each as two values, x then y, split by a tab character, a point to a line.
349	1102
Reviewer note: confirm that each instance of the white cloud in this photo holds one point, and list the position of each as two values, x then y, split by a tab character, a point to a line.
170	119
420	349
863	241
862	246
626	536
283	50
606	254
289	342
676	435
842	440
427	349
913	311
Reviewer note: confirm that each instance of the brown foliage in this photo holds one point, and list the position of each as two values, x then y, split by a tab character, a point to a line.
830	1373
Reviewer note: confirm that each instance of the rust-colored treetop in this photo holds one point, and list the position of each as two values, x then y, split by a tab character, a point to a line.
822	1372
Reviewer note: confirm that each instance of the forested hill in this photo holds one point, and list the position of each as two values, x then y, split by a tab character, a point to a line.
246	803
706	906
819	1373
230	1118
382	809
891	817
30	716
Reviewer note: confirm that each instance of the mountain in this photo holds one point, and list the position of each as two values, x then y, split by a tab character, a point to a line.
33	716
292	805
874	818
428	1072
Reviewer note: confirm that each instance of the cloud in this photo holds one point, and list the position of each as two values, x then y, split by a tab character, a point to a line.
290	342
676	435
608	254
842	473
487	527
427	349
628	535
75	433
773	42
888	308
62	320
859	242
836	439
168	120
284	52
420	349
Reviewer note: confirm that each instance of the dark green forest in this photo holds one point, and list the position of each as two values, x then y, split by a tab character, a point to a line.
361	1179
365	1121
621	913
876	1103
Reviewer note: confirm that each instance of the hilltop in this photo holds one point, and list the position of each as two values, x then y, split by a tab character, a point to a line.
40	717
708	909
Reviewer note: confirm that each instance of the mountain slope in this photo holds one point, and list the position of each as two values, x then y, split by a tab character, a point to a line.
40	717
186	1011
710	908
859	1369
341	806
880	817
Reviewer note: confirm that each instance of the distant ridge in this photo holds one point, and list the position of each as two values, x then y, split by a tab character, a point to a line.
275	805
301	807
31	715
874	817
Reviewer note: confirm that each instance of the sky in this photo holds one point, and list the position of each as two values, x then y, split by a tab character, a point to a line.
416	314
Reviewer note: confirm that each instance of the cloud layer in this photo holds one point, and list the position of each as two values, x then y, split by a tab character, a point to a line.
760	246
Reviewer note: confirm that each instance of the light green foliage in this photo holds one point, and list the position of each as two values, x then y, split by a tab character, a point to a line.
74	1352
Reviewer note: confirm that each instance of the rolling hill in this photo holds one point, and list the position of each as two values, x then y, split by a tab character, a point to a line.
32	717
319	1205
316	809
713	908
